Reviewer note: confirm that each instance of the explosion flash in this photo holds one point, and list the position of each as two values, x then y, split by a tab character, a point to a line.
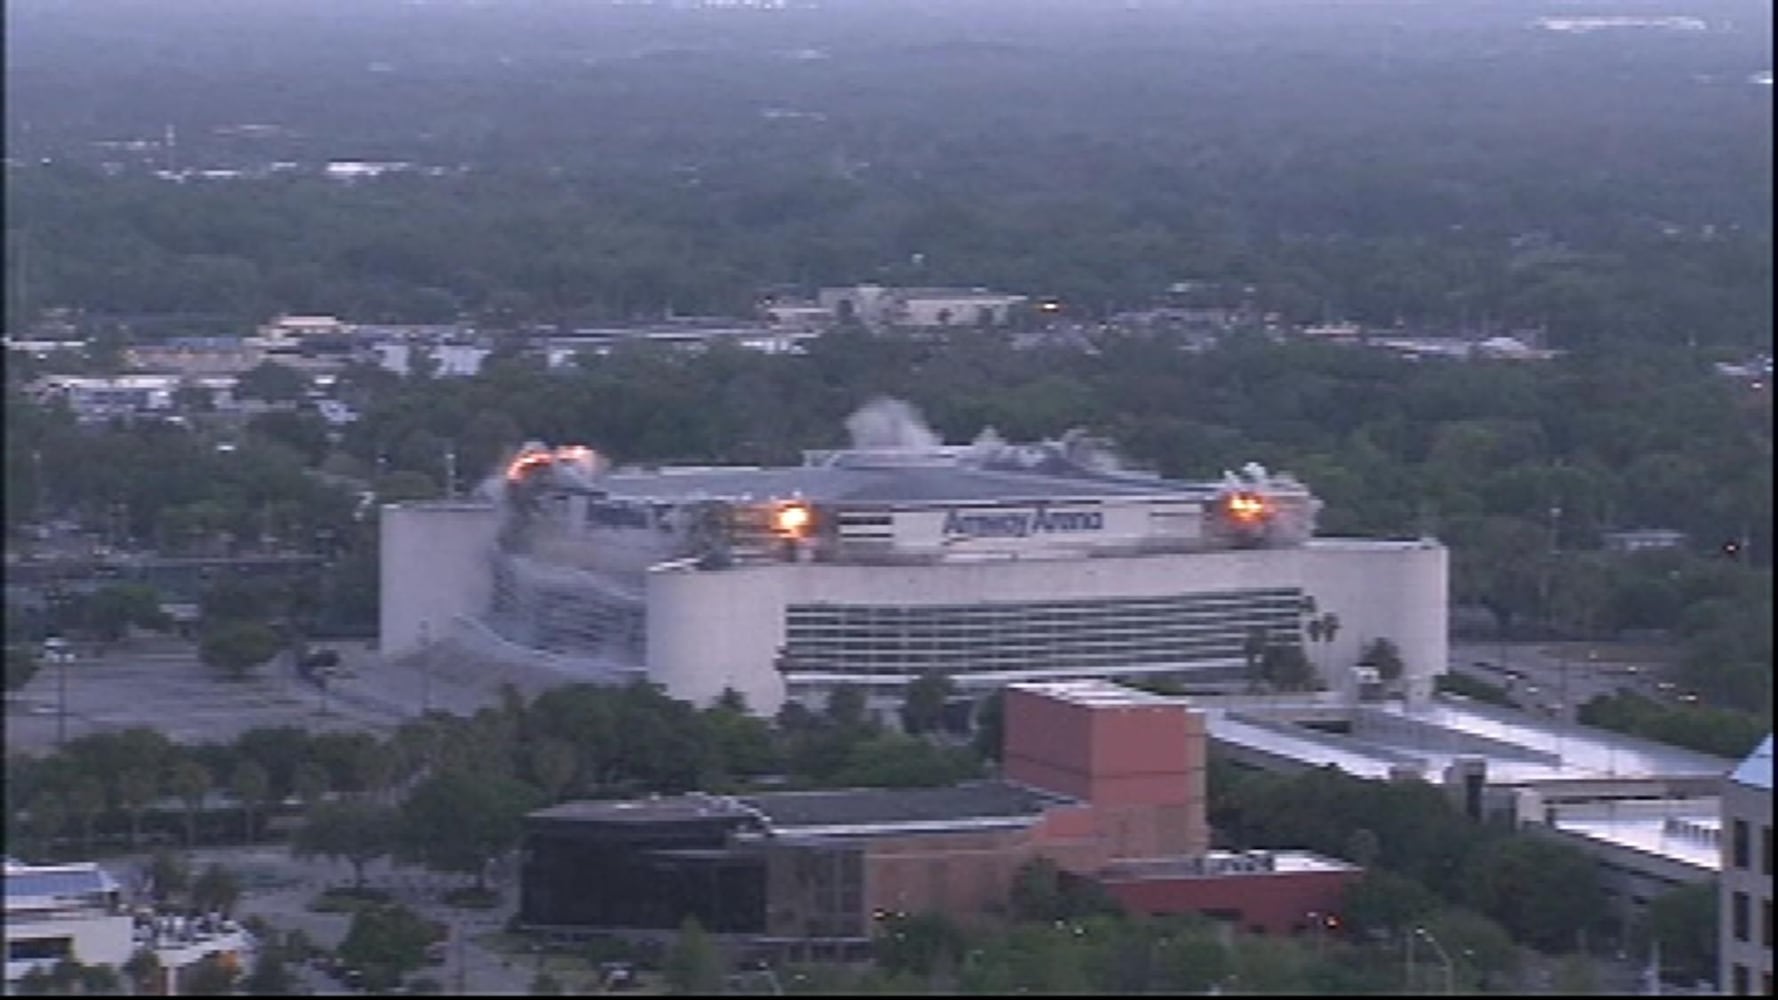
792	520
534	456
1246	508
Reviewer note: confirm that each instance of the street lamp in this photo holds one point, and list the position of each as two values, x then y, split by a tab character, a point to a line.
1450	970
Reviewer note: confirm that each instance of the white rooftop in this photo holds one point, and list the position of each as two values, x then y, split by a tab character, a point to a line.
1688	831
1096	693
1519	748
1756	770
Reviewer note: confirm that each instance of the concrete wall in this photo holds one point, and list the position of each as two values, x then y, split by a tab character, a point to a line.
1753	806
716	629
98	939
435	566
711	628
1393	590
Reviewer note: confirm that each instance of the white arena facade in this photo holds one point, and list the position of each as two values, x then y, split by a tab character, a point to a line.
989	562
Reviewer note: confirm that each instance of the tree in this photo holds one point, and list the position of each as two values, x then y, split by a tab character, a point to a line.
742	742
455	821
21	666
190	781
1383	655
110	611
136	790
86	800
1362	847
1684	922
693	966
310	783
1287	668
1543	892
357	831
144	970
990	726
923	709
251	787
847	707
1253	653
209	976
386	942
270	976
216	889
235	647
919	944
272	382
169	875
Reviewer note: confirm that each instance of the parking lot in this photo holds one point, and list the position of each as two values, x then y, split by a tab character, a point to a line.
165	687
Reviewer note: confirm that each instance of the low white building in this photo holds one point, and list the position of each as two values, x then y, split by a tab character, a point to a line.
1645	848
56	912
920	308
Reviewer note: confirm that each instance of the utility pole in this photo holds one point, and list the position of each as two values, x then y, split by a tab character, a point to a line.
462	958
62	657
1408	963
425	668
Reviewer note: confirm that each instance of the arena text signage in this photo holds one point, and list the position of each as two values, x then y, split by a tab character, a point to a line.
1039	520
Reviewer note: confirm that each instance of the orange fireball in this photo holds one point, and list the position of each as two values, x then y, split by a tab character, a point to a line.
525	462
792	519
1246	508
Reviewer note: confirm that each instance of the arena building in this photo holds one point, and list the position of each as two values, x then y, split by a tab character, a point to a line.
989	562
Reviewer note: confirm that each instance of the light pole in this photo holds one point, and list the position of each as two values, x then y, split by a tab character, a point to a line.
62	656
425	668
1450	970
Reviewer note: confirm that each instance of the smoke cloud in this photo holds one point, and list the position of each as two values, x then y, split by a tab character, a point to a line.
890	423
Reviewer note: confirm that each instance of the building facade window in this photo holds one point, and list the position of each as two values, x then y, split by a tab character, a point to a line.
1739	913
1765	849
1741	847
1739	975
1201	632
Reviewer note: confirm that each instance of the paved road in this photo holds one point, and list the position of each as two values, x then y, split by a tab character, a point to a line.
1556	678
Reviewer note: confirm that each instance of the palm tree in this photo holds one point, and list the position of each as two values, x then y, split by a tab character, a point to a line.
49	816
1253	650
190	781
136	790
86	800
251	786
310	782
144	969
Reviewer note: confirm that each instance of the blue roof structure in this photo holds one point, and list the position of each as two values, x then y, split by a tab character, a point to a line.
58	882
1756	770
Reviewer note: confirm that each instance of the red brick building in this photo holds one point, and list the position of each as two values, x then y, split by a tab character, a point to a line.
1105	781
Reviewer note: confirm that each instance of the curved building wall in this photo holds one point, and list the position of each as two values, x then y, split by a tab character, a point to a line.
434	567
997	621
708	630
